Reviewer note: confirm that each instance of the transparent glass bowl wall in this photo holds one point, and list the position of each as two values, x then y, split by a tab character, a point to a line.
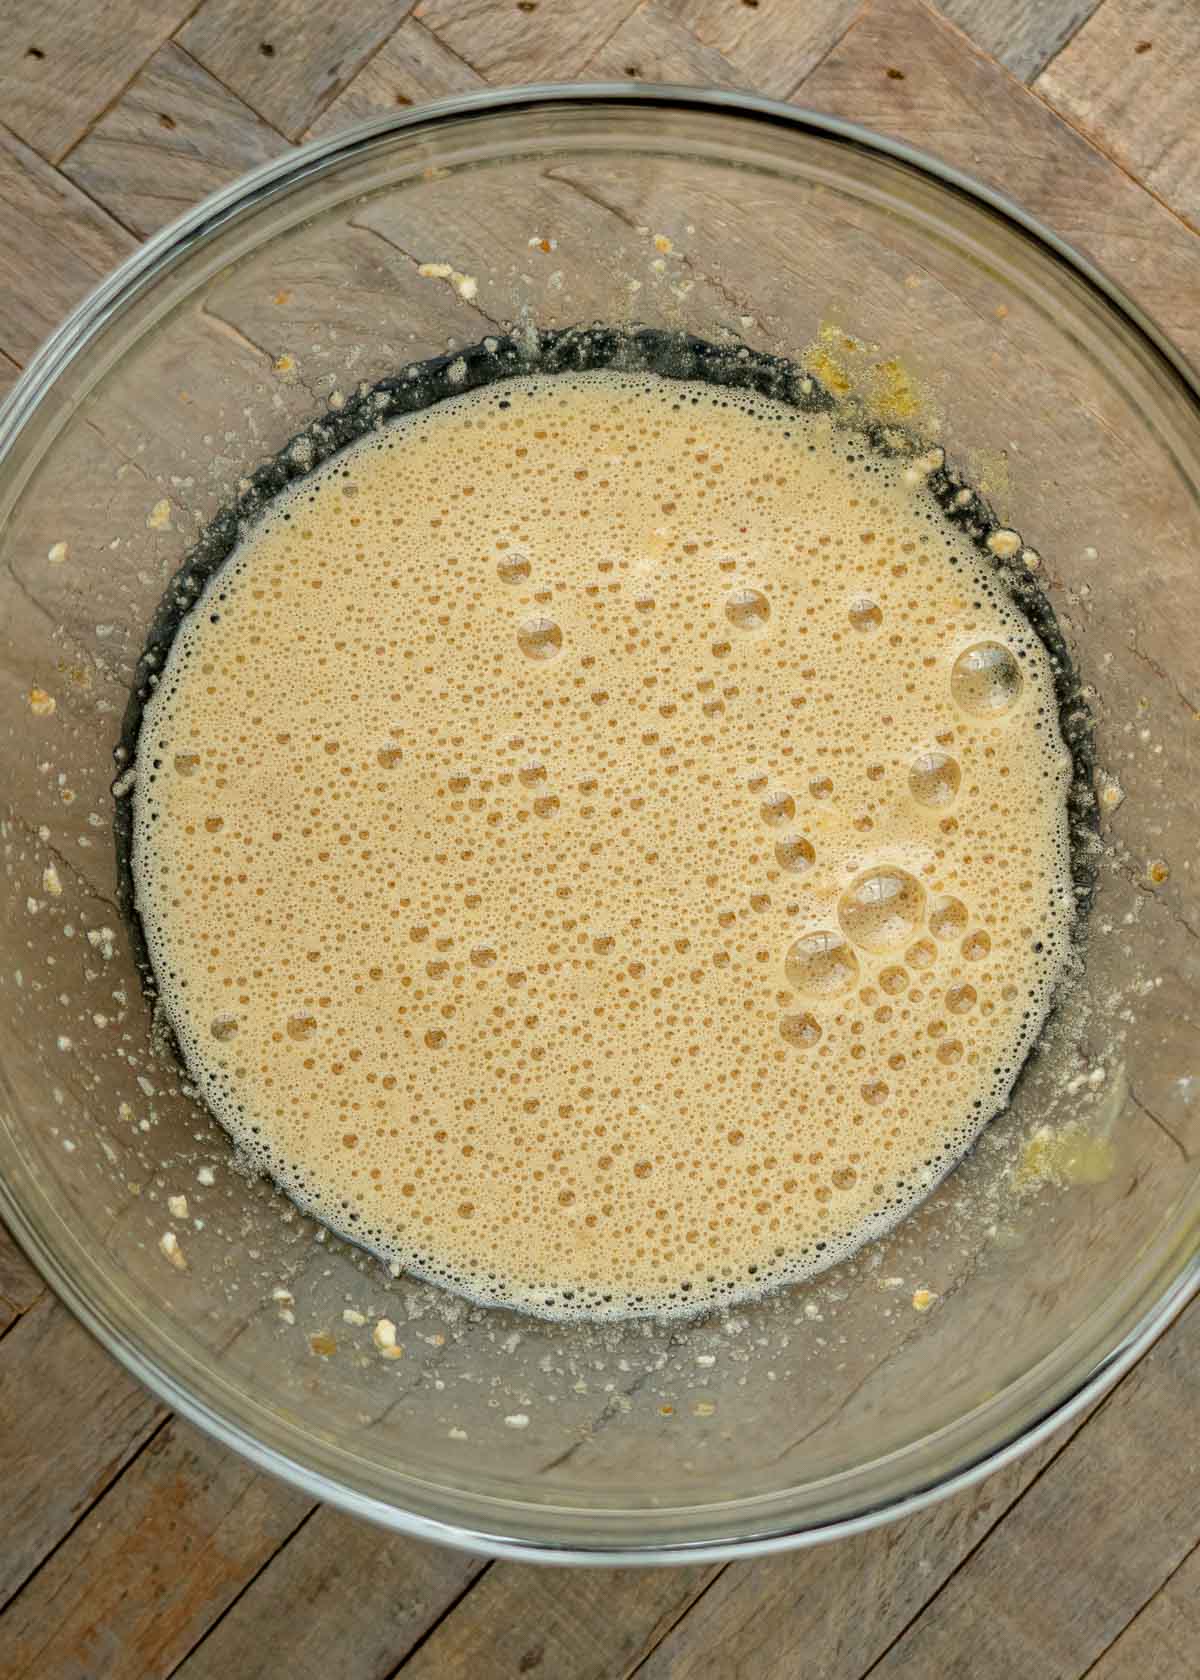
823	1406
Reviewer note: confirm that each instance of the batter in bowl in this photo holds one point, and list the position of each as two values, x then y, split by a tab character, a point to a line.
602	842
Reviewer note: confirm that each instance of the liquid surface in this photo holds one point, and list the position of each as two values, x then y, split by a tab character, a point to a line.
602	843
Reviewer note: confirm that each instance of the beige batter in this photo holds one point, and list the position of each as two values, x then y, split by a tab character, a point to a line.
602	843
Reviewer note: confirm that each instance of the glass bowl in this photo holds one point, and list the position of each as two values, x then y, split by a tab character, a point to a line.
1062	1244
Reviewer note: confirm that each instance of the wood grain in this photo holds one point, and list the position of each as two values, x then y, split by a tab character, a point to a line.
589	1625
1161	1639
524	40
286	59
174	136
20	1285
70	1420
151	1566
1128	80
63	63
955	102
408	69
342	1599
651	46
57	244
1023	34
772	44
1093	1539
776	1618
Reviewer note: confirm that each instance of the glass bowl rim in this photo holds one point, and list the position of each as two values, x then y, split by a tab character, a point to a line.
1107	1364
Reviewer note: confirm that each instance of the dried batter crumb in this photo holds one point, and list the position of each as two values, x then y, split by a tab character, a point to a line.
384	1337
52	881
517	1420
42	704
435	271
923	1299
206	1176
351	1316
159	517
57	553
169	1246
178	1206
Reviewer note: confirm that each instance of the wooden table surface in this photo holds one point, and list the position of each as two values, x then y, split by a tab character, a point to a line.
130	1545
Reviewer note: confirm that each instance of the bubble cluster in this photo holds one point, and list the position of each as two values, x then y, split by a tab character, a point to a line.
602	843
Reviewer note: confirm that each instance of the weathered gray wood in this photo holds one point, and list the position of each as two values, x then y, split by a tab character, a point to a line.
1059	1579
652	46
1128	81
411	67
777	1618
56	246
150	1567
63	62
1161	1639
173	136
341	1599
70	1419
771	45
285	58
591	1624
954	101
524	40
1023	34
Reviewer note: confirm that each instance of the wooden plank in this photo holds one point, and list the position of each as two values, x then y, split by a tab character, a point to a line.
1059	1579
1161	1639
652	46
592	1624
343	1598
91	1417
173	137
20	1285
151	1566
771	45
525	41
1023	34
957	103
777	1617
63	63
56	246
1127	80
411	67
286	59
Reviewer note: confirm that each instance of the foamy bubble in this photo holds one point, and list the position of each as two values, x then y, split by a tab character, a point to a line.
821	964
986	679
934	778
881	908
